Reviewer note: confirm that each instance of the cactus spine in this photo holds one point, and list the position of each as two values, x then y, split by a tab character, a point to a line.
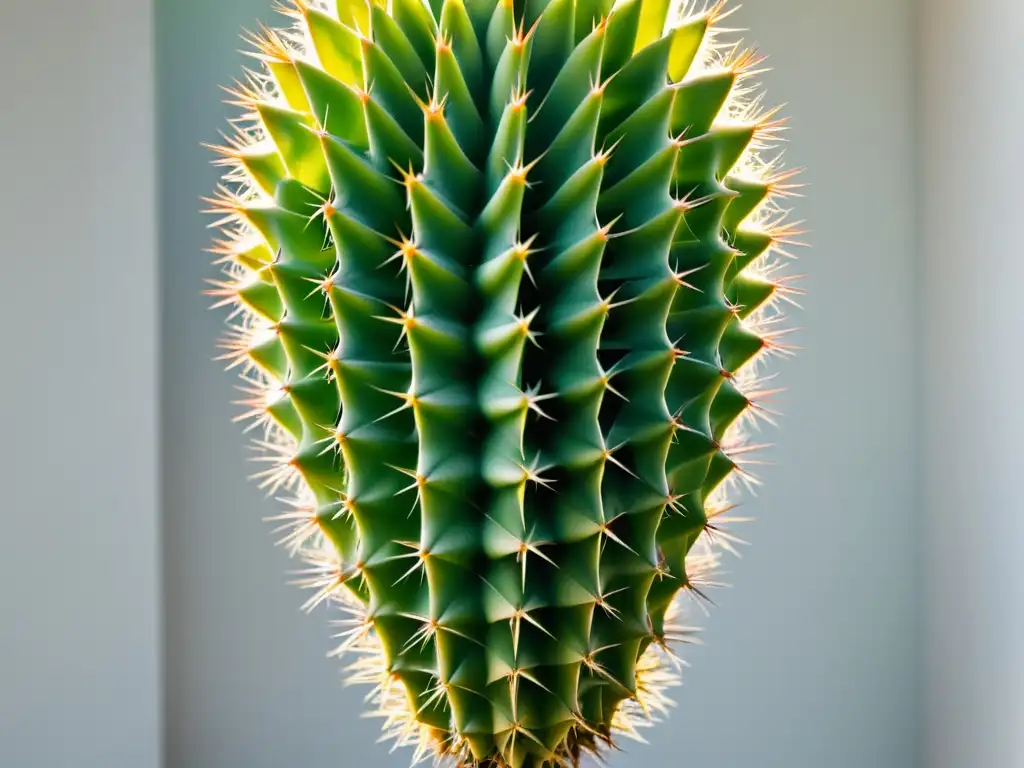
501	273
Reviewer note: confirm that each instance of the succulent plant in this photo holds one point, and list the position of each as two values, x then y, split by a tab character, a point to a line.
502	279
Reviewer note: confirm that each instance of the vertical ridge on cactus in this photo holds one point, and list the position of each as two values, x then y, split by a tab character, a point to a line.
502	276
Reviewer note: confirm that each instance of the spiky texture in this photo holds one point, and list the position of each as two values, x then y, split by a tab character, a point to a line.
500	279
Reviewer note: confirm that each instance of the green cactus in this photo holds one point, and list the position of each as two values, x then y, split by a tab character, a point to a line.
501	274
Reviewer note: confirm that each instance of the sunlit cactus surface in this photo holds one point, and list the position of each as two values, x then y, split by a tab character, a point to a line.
503	274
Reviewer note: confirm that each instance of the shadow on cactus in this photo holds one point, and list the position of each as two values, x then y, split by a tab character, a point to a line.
502	277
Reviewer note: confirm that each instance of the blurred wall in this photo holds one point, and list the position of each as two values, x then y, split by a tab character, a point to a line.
811	657
79	660
972	270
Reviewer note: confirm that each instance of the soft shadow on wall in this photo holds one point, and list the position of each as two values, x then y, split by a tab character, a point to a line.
810	656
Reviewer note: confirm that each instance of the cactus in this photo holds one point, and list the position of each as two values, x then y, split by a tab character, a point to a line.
501	273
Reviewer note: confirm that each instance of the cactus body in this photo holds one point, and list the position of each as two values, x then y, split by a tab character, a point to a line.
499	269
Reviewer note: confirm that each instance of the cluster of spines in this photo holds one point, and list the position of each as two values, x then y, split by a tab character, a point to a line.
498	273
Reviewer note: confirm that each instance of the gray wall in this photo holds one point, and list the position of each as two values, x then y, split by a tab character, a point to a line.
79	659
971	269
810	658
